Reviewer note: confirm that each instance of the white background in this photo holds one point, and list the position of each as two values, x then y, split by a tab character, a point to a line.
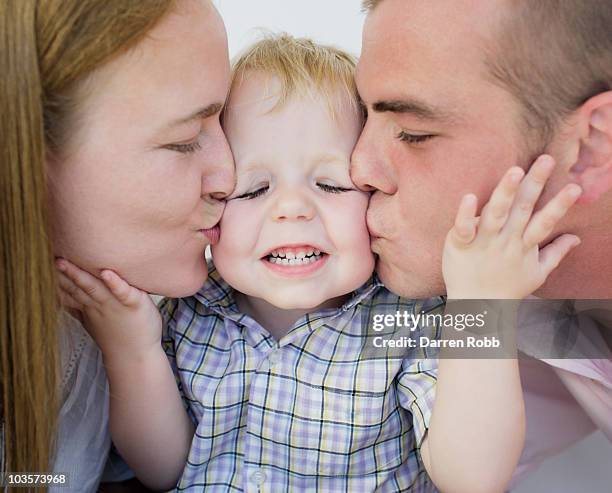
336	22
585	468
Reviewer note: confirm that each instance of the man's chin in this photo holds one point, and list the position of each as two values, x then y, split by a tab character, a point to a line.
405	282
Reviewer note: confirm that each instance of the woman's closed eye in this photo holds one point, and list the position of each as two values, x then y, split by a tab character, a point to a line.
332	188
252	195
184	148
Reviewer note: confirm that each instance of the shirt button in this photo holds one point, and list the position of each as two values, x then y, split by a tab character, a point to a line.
258	477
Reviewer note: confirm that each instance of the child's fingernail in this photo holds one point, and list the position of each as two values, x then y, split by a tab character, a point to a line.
574	191
516	175
60	265
546	161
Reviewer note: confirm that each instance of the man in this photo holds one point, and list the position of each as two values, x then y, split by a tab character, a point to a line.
456	93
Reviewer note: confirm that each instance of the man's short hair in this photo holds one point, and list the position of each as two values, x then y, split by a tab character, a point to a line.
368	5
303	68
552	56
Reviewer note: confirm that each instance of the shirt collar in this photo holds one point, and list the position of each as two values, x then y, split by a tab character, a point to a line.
218	295
215	292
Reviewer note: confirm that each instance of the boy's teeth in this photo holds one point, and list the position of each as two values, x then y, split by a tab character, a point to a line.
299	254
304	260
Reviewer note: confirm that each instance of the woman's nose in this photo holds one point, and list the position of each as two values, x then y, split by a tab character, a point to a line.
219	178
293	205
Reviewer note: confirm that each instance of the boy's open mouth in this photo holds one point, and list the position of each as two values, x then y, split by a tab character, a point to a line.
294	256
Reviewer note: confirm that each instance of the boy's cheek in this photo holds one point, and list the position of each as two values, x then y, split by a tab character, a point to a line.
235	217
233	228
354	216
351	233
353	204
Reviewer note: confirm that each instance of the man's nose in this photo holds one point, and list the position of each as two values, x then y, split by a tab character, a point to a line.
369	170
360	171
293	205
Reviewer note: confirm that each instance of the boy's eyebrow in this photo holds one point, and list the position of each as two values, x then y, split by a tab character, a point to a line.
418	109
205	112
253	166
330	159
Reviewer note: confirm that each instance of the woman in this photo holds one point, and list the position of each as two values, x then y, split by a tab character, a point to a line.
111	156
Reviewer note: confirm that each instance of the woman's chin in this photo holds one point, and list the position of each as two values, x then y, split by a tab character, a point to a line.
178	283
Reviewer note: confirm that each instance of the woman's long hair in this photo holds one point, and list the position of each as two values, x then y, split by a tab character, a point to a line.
47	47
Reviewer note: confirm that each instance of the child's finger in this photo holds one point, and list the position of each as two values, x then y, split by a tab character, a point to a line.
84	280
553	253
73	291
544	221
529	193
68	301
495	214
124	292
464	229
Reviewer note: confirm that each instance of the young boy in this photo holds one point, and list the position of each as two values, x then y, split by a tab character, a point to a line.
270	355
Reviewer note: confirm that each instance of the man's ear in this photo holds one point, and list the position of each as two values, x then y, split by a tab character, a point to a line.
593	168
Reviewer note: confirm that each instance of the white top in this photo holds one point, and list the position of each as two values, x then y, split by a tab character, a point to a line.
83	439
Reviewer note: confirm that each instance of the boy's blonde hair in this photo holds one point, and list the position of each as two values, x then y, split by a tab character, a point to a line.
302	68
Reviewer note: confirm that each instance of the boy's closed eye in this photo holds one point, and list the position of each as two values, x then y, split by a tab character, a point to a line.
326	187
261	190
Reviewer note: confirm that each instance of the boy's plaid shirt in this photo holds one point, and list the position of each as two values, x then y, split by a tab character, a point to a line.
308	414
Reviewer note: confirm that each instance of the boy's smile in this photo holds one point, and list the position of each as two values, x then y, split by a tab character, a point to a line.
293	232
295	260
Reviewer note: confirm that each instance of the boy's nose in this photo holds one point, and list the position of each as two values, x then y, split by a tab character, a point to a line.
292	205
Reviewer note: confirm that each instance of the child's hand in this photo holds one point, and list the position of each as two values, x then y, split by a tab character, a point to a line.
497	255
119	317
